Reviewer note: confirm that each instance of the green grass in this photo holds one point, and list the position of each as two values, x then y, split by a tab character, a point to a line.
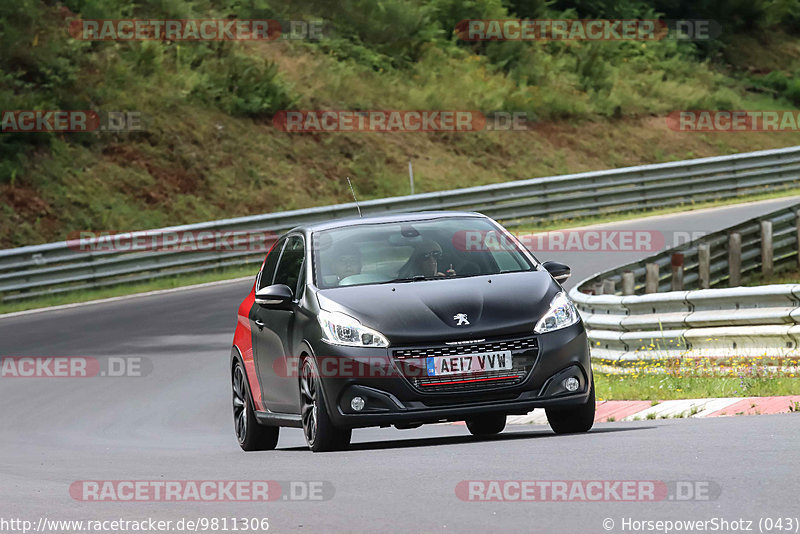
209	149
783	277
156	284
658	388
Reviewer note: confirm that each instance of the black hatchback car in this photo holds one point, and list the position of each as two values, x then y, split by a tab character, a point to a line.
404	320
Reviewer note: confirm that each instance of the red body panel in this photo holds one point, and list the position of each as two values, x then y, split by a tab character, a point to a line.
243	340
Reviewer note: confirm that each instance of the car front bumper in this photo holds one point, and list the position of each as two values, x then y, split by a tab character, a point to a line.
392	399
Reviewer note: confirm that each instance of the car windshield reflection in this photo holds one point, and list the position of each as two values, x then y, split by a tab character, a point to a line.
436	249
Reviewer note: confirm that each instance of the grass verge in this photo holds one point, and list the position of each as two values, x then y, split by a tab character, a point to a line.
616	387
783	277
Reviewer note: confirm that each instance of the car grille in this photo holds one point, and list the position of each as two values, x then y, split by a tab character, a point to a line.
412	363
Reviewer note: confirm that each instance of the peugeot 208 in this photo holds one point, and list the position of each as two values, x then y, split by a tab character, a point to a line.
405	320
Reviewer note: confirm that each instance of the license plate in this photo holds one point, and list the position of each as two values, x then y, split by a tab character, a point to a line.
469	363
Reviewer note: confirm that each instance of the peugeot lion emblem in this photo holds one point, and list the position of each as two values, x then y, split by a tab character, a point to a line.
461	318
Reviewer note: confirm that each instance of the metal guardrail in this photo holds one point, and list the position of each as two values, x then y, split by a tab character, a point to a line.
708	323
785	231
55	267
751	322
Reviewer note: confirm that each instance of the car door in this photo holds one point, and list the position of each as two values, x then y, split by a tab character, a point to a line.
259	335
272	329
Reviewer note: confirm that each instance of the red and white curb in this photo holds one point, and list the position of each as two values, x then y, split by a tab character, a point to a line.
609	411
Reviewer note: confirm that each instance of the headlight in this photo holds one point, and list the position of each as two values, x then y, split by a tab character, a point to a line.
341	329
562	313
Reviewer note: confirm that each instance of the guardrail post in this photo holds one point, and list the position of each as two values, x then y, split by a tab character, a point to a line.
609	287
704	265
598	288
628	283
735	259
677	271
651	278
767	266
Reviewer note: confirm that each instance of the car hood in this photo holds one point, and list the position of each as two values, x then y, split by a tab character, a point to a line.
427	311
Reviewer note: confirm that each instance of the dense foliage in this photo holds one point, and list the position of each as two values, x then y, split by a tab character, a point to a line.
380	53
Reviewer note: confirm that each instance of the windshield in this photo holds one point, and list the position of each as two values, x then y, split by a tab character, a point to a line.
416	250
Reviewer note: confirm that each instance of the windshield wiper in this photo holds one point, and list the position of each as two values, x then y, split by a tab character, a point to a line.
415	278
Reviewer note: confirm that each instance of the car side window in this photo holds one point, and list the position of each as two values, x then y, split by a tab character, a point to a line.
291	263
268	272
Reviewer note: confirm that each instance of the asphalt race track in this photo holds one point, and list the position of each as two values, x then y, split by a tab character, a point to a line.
175	423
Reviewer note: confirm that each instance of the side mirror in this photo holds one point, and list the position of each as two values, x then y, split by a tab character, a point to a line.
559	271
275	297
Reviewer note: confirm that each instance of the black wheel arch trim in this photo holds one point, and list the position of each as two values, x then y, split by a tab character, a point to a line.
309	350
236	356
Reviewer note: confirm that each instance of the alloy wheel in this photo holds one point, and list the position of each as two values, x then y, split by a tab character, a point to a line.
310	402
239	404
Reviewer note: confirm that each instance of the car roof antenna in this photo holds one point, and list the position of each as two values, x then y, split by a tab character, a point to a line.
354	197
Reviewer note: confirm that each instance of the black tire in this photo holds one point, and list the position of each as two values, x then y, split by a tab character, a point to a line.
486	425
251	435
320	432
574	419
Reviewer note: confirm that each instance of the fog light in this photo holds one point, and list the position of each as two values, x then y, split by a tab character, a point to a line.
571	384
357	403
